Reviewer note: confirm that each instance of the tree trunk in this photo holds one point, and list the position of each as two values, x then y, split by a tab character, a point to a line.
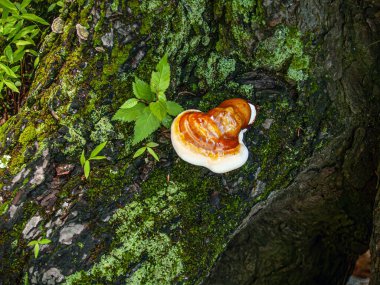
299	211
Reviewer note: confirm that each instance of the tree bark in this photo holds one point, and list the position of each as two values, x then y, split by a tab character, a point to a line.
299	212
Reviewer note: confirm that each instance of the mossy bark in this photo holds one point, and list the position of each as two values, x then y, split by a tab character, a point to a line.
304	198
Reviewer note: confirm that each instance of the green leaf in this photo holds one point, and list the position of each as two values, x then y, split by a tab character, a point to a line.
139	152
36	62
8	5
44	241
8	71
1	87
82	158
99	157
34	18
129	103
158	109
161	96
167	121
97	149
86	169
36	250
129	115
18	54
142	90
24	42
160	79
25	3
173	108
33	242
153	153
146	124
9	53
33	52
152	144
11	85
51	7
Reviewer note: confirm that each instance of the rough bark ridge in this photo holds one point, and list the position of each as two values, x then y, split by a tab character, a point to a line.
304	199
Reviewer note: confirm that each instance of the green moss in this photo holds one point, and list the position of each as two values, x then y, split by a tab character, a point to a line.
76	141
215	70
102	131
284	49
156	233
27	135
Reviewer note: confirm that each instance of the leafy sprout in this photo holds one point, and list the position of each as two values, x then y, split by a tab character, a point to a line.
93	156
149	109
37	243
148	147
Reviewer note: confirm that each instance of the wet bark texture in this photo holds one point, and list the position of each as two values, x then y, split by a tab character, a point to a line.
312	231
299	212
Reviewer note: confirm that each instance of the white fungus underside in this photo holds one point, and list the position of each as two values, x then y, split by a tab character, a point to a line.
222	164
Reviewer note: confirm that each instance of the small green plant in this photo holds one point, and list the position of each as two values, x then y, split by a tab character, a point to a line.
150	108
148	147
36	244
17	37
93	156
56	5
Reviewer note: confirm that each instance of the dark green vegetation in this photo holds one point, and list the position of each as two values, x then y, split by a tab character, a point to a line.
138	221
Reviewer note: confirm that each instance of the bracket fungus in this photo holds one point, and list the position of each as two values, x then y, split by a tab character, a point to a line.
214	139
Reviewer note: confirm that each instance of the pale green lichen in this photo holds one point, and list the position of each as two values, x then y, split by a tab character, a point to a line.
215	70
4	160
140	241
284	47
76	140
102	131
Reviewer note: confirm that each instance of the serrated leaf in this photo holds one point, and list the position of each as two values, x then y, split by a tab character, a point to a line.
34	18
33	242
161	96
44	241
142	90
160	79
167	121
97	149
8	5
36	250
129	115
152	144
8	71
153	153
146	124
99	157
9	53
158	109
82	158
86	169
129	103
139	152
173	108
11	85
